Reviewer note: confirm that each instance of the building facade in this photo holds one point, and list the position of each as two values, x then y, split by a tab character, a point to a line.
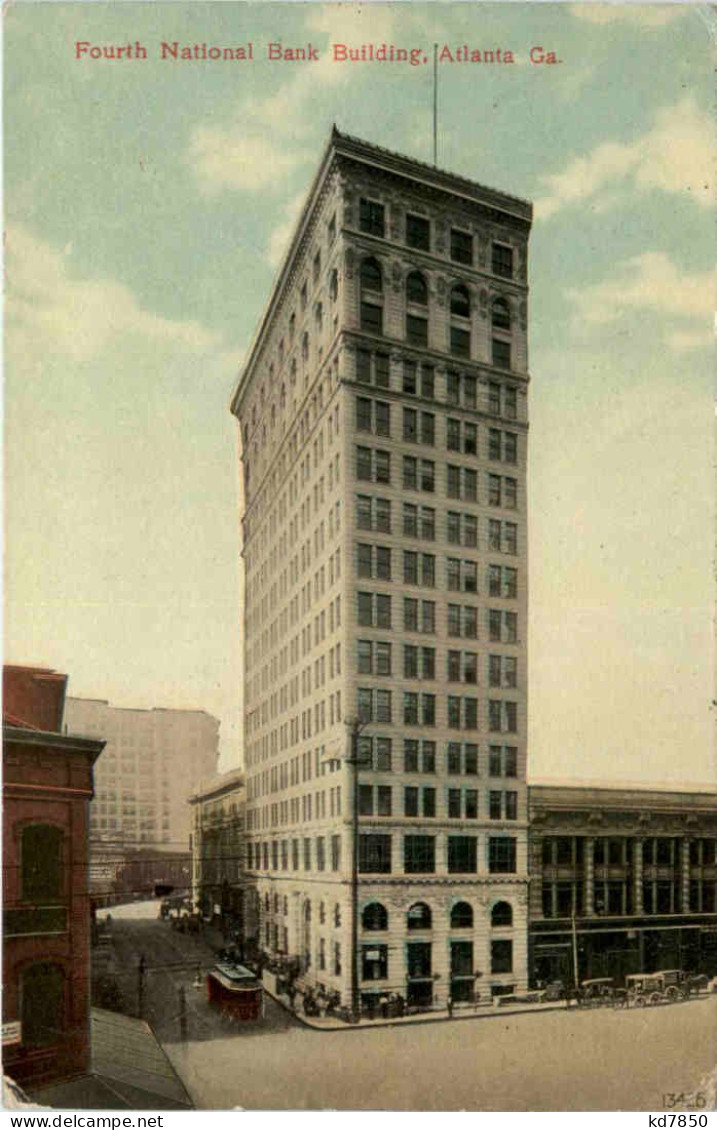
218	862
47	787
623	879
154	760
383	412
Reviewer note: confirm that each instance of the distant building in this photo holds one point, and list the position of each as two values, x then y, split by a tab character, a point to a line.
384	417
153	761
634	869
47	787
218	874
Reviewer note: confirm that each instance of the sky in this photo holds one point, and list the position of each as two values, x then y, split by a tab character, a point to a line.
148	203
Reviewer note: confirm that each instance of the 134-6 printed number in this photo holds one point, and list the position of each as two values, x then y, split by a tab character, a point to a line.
685	1100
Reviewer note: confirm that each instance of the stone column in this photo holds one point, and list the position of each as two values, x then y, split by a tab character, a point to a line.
637	875
685	875
589	877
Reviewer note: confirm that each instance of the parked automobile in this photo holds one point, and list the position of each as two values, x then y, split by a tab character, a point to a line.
680	985
598	991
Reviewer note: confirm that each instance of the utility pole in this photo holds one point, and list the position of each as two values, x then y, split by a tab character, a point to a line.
575	951
355	729
141	980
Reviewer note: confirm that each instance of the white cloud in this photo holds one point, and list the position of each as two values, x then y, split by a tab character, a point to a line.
264	141
50	311
279	238
653	15
675	156
652	283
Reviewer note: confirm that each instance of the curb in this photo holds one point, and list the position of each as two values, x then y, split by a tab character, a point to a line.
407	1023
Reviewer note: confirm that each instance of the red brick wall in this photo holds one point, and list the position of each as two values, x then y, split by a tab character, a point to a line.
48	784
34	696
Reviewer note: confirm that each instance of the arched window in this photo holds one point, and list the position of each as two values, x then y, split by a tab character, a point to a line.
292	326
416	289
334	285
276	904
267	903
292	371
286	906
273	415
419	917
305	347
461	916
307	911
282	398
501	914
371	276
337	914
322	913
41	862
460	301
374	917
43	1005
500	314
318	315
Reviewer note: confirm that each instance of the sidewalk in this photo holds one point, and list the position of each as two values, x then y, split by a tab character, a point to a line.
471	1012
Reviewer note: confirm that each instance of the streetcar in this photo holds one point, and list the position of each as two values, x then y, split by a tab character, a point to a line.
236	992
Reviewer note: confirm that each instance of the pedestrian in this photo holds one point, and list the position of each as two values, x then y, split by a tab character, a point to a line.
450	1007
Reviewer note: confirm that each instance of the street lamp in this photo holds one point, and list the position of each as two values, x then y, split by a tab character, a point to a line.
355	727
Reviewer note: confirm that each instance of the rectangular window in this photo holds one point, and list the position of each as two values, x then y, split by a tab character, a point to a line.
371	217
383	755
501	855
410	614
461	246
501	354
428	428
383	800
410	801
419	855
462	855
453	435
501	955
364	560
416	330
410	381
460	342
502	261
374	962
410	756
418	232
410	473
375	854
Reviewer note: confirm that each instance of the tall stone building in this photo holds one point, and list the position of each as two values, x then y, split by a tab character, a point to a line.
154	760
383	411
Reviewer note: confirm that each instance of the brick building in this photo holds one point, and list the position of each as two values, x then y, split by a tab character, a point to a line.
47	787
634	869
383	412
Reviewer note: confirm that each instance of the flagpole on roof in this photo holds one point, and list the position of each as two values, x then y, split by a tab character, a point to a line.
435	103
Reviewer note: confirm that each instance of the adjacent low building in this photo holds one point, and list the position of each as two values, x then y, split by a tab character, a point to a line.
47	787
622	880
218	863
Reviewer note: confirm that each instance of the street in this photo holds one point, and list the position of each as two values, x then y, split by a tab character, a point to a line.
567	1060
172	962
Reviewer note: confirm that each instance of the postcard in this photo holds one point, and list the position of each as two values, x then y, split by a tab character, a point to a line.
359	477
